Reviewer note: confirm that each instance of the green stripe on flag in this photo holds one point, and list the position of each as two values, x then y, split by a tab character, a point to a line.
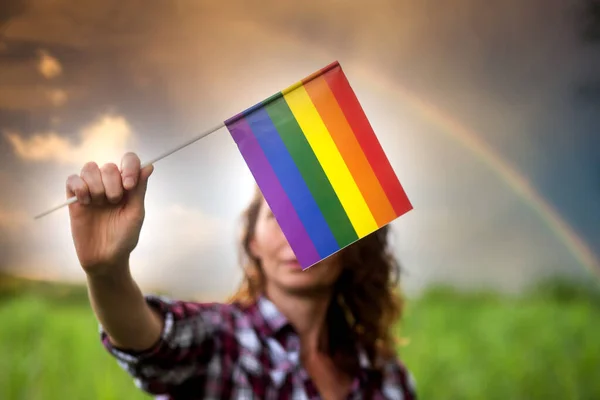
312	172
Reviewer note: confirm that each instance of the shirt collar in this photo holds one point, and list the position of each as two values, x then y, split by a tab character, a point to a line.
275	321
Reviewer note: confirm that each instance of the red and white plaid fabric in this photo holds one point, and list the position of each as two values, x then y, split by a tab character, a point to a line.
225	351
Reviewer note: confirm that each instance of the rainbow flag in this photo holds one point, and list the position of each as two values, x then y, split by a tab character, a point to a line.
319	165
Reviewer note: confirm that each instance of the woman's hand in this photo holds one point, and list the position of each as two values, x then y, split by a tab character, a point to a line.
107	218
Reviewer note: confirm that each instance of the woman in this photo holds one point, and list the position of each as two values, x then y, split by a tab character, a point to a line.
287	334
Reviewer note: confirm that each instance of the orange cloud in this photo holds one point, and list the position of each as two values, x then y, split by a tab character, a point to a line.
12	221
57	97
104	140
48	65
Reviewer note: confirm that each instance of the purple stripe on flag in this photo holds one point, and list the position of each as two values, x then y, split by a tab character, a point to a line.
278	201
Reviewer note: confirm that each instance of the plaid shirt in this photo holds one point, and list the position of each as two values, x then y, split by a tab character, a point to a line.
224	351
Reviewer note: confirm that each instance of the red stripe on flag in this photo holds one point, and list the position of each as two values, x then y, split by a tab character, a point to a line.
365	135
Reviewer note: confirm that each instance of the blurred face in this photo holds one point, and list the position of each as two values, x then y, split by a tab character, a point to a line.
280	266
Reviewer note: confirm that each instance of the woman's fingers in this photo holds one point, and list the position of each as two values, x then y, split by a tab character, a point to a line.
130	170
77	187
93	178
107	184
111	179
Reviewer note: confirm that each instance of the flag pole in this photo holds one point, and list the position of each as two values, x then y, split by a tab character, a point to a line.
149	162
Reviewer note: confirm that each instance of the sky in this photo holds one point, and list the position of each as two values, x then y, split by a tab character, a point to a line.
477	104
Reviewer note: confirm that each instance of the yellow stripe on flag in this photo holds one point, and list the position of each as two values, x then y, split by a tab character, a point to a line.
331	160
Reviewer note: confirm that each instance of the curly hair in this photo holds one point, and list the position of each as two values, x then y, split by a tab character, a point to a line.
366	303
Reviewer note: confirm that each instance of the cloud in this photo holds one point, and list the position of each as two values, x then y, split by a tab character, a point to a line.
18	237
180	246
13	221
57	97
190	227
48	65
103	140
11	9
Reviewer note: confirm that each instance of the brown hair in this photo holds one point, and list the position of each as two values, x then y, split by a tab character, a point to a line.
366	303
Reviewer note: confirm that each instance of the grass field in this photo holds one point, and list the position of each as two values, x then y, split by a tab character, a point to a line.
545	345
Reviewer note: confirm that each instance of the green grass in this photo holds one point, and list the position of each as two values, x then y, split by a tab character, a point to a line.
545	345
52	351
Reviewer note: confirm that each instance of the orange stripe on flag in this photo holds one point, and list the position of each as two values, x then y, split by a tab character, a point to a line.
350	149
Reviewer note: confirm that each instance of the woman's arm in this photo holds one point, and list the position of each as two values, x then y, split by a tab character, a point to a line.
123	311
105	225
162	343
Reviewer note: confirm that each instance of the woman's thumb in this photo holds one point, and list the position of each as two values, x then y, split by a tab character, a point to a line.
138	193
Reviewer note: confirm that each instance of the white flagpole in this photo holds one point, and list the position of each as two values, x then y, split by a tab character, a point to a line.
152	161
